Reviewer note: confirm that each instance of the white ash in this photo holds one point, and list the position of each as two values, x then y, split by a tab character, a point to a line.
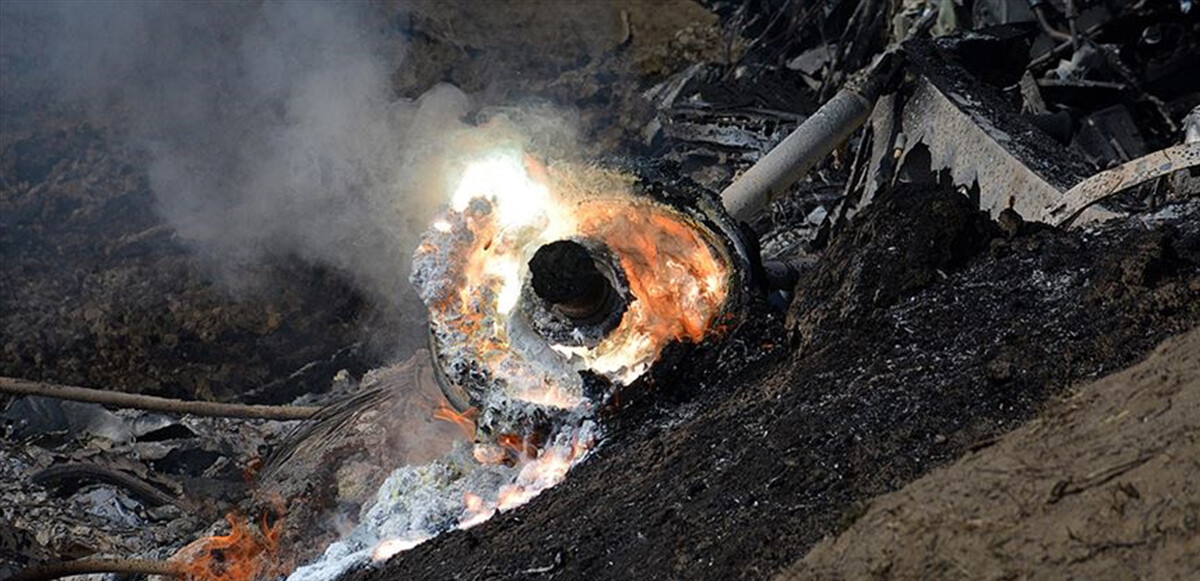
417	503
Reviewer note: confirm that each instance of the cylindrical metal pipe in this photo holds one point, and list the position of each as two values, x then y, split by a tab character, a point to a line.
826	129
565	275
820	134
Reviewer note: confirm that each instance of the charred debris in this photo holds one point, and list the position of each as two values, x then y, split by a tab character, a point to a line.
941	215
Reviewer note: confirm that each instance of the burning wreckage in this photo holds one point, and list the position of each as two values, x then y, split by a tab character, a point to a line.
564	299
550	290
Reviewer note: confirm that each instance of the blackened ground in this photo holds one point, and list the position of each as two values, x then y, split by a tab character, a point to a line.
95	290
761	449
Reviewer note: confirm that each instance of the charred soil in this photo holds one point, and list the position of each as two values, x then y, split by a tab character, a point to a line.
97	290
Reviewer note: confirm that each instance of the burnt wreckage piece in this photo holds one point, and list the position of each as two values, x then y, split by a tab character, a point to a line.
580	293
578	287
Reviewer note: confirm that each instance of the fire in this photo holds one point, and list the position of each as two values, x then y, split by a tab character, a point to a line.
471	270
535	470
539	469
502	179
505	207
247	553
675	274
513	442
388	548
475	512
465	421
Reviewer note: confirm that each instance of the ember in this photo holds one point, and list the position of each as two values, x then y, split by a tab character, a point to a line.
463	420
249	552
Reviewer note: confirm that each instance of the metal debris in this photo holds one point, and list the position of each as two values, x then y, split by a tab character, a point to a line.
1109	183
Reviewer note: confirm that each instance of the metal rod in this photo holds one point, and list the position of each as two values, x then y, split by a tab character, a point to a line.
814	139
820	134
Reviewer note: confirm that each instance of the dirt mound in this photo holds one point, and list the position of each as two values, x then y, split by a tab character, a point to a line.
1103	485
762	452
880	262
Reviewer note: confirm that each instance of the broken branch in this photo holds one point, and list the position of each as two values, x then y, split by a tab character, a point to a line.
86	566
84	472
153	403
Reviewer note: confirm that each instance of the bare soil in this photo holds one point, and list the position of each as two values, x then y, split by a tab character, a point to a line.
1102	485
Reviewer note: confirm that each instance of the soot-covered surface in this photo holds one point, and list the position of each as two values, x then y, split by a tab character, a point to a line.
758	450
97	290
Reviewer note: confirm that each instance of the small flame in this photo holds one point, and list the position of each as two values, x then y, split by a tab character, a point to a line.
388	548
465	421
476	511
247	553
513	442
539	470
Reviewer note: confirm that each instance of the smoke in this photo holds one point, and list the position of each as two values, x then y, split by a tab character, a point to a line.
271	128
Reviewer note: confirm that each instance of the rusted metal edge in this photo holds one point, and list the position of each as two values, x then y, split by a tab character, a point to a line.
1118	179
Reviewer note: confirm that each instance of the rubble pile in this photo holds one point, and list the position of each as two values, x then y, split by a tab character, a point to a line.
80	480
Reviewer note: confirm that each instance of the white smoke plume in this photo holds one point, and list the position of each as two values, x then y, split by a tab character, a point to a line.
271	127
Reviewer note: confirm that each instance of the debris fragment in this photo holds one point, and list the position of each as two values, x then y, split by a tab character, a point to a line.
149	402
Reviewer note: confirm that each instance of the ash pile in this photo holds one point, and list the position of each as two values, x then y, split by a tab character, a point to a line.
812	254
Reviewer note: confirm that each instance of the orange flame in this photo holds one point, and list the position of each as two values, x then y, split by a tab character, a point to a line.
247	553
675	268
540	468
465	421
672	270
675	272
476	511
514	443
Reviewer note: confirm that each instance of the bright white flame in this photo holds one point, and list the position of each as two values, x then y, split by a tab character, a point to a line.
510	289
501	178
535	475
387	548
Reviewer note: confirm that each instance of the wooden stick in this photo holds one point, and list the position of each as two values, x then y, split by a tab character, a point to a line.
154	403
49	571
79	473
